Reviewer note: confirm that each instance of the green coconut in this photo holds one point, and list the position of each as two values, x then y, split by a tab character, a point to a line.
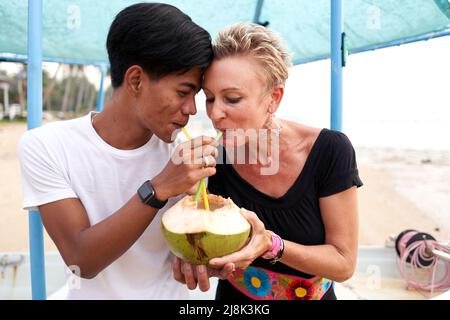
198	235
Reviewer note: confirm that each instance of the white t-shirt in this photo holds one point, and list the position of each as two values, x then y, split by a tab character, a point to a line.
68	159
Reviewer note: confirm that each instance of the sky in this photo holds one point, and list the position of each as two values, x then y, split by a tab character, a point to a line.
396	97
393	97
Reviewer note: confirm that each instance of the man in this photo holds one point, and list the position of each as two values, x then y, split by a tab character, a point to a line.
101	182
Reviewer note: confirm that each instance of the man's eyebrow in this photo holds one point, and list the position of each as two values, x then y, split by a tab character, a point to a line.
189	85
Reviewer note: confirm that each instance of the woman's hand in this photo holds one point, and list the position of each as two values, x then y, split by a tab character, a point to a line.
191	275
260	242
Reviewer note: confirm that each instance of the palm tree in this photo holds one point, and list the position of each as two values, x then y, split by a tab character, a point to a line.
49	89
67	89
81	89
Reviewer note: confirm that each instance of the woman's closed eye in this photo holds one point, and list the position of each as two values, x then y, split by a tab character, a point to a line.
233	100
228	100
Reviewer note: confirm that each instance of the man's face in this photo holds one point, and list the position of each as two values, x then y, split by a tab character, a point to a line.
166	104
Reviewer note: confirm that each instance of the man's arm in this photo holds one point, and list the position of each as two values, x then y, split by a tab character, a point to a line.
93	248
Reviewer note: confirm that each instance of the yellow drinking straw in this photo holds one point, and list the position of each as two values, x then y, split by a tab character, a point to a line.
201	185
204	194
186	133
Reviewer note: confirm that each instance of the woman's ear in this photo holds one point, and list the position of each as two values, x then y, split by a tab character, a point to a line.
277	95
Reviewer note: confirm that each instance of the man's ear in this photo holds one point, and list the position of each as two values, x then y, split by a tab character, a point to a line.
133	79
277	95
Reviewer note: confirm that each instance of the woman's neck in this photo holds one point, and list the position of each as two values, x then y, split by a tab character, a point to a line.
269	147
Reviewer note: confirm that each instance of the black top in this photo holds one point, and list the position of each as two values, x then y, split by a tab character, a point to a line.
329	169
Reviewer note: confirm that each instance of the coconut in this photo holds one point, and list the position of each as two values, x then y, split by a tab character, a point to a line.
198	235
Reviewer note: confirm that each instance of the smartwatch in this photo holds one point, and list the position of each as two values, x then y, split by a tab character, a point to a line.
148	195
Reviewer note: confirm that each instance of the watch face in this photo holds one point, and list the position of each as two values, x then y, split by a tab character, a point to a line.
146	192
148	196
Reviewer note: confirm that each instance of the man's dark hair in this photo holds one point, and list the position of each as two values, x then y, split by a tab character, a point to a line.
158	37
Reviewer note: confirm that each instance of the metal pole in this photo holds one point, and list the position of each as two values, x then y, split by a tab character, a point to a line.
101	93
34	119
336	64
258	10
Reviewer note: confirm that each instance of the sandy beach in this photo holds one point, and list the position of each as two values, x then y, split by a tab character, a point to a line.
403	189
14	220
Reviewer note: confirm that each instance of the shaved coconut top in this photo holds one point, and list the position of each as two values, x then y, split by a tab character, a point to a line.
224	218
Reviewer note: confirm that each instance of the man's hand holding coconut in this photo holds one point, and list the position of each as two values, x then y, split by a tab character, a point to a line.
222	266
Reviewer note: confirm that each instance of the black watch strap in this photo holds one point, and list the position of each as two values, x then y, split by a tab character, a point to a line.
148	195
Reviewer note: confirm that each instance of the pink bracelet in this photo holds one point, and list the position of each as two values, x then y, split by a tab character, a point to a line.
277	244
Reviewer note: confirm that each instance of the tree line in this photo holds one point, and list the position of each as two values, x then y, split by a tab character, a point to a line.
66	93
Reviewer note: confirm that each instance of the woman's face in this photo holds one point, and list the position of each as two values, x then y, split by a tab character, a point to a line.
236	95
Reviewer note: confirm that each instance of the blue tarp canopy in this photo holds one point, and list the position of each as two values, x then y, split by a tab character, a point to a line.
74	31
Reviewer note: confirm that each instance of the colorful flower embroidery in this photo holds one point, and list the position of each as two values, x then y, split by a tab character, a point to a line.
256	281
263	284
325	284
300	290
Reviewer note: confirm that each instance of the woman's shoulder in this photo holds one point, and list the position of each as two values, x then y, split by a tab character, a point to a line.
319	138
306	135
337	140
300	129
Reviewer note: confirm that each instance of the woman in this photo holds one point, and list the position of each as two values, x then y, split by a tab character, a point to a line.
304	214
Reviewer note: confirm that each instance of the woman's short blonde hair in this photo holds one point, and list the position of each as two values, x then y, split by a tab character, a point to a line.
259	42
